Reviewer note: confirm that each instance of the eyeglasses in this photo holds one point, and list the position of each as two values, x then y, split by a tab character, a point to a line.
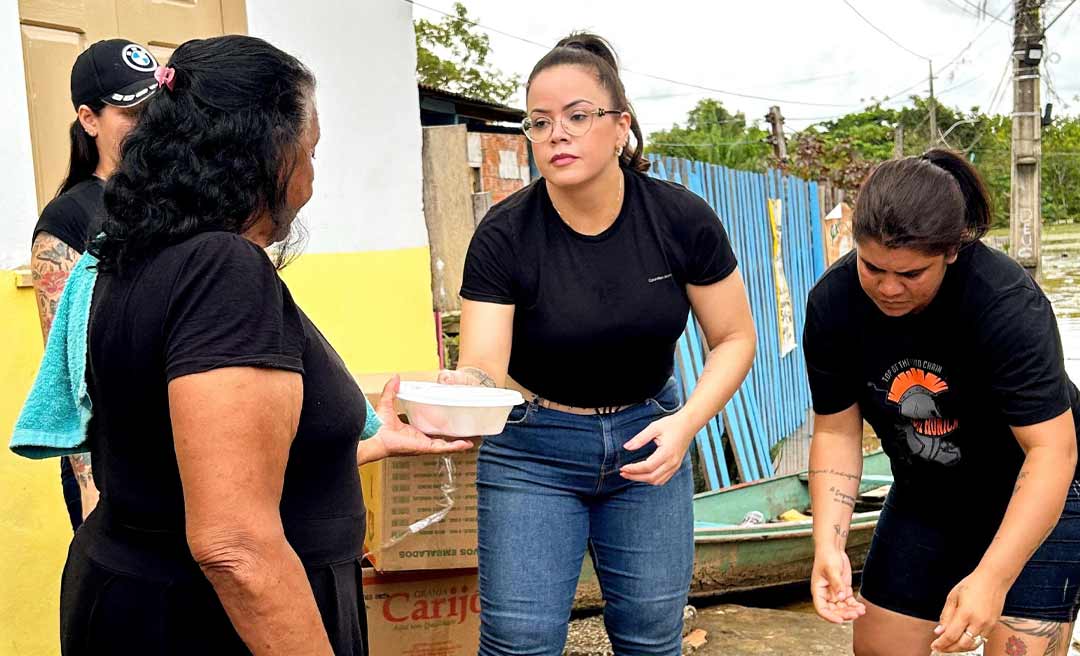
575	122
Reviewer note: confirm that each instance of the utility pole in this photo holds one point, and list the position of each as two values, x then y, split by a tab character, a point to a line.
1025	216
898	142
933	108
776	120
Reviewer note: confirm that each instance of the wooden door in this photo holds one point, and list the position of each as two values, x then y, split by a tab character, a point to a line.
54	32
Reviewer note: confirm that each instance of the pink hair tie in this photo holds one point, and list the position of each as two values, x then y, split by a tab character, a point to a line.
165	76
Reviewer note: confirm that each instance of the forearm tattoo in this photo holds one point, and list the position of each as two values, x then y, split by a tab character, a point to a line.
841	536
842	497
80	465
849	476
480	374
51	261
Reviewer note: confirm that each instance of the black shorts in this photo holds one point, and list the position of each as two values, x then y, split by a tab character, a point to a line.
912	566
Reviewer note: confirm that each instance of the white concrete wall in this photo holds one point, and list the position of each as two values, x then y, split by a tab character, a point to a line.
368	184
18	206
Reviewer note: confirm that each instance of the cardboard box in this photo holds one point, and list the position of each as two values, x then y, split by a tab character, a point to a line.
423	614
401	491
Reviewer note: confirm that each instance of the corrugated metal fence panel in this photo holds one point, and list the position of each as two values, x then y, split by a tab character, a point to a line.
773	401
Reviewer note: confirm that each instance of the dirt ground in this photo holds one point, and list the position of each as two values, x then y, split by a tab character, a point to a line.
741	631
733	630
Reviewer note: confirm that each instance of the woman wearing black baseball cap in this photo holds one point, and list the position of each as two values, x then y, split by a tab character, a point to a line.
108	82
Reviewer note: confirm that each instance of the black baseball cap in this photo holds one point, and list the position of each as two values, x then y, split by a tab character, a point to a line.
116	71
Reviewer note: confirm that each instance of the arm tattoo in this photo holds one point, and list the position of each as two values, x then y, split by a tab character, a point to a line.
842	497
849	476
481	375
51	261
841	536
80	465
1019	477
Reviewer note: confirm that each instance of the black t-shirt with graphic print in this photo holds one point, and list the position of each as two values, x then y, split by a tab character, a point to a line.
942	387
597	317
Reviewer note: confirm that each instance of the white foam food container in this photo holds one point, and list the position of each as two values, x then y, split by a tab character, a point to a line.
457	410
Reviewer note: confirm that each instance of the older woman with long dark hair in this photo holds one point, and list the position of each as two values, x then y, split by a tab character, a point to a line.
225	432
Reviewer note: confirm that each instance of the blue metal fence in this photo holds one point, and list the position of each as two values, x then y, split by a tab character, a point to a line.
774	400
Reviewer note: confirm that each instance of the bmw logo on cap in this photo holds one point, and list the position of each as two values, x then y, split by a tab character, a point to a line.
139	58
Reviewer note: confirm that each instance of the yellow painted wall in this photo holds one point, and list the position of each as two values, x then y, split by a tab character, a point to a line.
34	529
375	308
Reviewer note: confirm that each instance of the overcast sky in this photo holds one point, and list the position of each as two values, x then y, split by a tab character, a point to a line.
816	58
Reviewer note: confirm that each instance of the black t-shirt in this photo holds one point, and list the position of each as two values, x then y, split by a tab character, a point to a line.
596	317
942	387
74	216
212	301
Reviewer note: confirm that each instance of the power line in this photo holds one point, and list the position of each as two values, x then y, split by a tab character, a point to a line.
977	37
993	99
883	33
962	84
1050	77
831	76
896	95
979	11
628	70
893	97
1053	89
1051	23
963	9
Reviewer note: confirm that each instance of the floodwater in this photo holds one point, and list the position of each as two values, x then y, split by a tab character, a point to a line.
1060	274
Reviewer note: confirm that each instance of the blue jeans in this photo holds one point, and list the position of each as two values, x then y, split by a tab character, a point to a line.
549	490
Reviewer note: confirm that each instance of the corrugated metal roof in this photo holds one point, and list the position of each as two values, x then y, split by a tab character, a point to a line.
511	113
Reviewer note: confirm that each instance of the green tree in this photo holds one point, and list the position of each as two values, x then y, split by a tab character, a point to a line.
844	150
715	135
1061	171
464	66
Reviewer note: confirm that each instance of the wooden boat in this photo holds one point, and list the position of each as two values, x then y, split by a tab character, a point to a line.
733	558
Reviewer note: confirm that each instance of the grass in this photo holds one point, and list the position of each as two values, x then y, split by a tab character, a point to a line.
1048	229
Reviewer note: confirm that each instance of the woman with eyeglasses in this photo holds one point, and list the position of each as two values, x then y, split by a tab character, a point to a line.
575	292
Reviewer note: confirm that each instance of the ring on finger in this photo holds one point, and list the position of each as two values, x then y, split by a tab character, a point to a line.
977	639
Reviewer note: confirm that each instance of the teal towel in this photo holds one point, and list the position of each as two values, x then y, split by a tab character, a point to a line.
372	423
54	418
